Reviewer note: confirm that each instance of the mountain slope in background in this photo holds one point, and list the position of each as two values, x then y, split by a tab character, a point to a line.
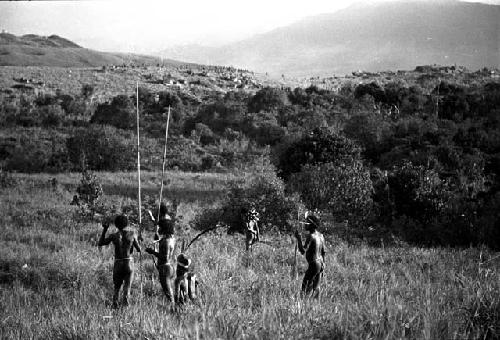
384	36
34	50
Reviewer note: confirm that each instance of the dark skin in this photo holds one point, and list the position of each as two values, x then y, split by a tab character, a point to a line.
185	285
314	249
124	242
165	269
252	234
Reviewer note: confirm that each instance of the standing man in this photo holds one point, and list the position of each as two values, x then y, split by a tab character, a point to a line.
252	232
314	249
124	241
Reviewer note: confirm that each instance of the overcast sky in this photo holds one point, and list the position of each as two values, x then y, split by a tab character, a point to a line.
149	25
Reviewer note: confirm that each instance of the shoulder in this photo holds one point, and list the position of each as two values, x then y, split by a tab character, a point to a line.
130	233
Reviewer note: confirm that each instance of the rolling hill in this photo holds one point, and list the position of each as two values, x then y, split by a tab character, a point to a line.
35	50
370	37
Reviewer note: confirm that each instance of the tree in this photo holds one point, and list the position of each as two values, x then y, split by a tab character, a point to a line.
103	147
266	192
87	91
268	99
119	113
344	189
319	146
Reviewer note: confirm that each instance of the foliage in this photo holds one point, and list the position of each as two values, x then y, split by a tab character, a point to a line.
268	99
417	192
6	179
119	113
319	146
345	190
89	193
103	147
266	192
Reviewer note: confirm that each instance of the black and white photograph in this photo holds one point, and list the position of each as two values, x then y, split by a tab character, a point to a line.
265	169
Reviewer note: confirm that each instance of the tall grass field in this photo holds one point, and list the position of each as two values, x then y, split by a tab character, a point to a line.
55	283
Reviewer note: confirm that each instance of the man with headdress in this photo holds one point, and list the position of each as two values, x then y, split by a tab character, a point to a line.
164	255
165	223
314	249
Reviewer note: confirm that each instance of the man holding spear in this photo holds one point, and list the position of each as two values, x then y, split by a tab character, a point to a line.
314	249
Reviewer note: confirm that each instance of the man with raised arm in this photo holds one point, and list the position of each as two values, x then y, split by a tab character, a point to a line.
124	241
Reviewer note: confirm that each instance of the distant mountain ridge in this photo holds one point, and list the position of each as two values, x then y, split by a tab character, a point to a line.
375	37
56	51
36	41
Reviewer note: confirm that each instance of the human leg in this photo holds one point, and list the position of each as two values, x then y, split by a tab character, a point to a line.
117	282
128	276
311	277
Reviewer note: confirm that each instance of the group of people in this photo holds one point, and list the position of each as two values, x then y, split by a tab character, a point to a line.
180	284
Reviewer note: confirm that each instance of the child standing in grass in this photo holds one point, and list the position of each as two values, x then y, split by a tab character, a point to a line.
124	241
185	281
314	249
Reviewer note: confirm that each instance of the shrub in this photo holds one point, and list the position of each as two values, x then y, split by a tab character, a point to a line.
319	146
103	147
119	113
37	150
266	192
343	189
268	99
89	193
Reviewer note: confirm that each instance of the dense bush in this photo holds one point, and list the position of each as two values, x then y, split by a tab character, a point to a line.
120	113
37	150
319	146
345	190
103	147
266	192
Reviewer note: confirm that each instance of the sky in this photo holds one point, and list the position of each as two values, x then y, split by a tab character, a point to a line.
152	25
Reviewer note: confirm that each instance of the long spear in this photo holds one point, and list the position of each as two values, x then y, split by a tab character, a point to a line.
162	180
139	187
163	166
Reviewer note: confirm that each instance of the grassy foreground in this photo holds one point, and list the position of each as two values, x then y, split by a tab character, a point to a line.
55	283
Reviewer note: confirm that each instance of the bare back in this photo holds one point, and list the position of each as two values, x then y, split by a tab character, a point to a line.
315	247
124	242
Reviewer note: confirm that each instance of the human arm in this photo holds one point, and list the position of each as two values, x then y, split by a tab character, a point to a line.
323	248
299	242
135	244
103	240
152	252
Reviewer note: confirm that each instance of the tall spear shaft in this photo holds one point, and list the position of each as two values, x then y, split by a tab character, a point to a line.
139	188
163	166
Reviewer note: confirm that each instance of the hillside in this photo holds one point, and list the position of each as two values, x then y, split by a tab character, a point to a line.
55	51
394	35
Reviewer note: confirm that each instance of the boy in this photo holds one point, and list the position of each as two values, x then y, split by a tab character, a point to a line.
185	282
252	232
124	241
166	249
314	249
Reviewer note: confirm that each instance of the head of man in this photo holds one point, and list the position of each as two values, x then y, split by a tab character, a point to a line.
121	222
165	227
312	223
163	209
